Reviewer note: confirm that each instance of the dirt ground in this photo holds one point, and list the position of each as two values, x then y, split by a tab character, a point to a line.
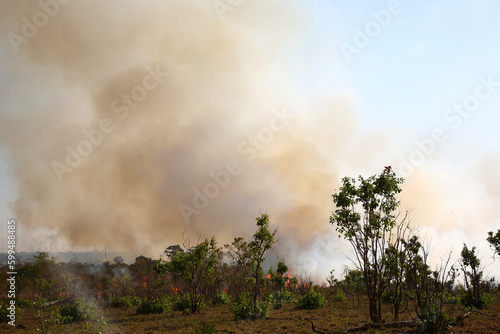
333	318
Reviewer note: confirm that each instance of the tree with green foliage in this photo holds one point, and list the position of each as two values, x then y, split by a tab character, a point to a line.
193	272
241	262
263	240
170	250
353	283
335	288
472	278
145	275
417	274
395	266
395	263
40	274
428	287
494	240
279	280
365	215
331	280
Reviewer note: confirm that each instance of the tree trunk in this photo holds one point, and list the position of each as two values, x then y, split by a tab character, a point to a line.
256	292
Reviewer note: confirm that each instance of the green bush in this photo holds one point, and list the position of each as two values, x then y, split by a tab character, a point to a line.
24	302
220	298
80	309
312	300
183	303
483	302
434	320
243	309
450	298
125	301
153	307
338	296
204	329
277	299
4	313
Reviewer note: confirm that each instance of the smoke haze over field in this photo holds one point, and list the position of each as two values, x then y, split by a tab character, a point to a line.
125	124
210	87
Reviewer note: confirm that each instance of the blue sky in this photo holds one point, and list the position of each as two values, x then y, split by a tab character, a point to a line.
428	56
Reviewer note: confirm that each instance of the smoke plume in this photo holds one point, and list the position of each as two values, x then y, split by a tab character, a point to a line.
137	122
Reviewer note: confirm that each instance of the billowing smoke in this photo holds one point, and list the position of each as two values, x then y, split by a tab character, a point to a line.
136	122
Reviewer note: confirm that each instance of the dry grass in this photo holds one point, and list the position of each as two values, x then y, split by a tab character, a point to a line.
333	318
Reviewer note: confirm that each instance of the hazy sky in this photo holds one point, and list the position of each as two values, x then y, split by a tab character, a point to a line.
410	84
